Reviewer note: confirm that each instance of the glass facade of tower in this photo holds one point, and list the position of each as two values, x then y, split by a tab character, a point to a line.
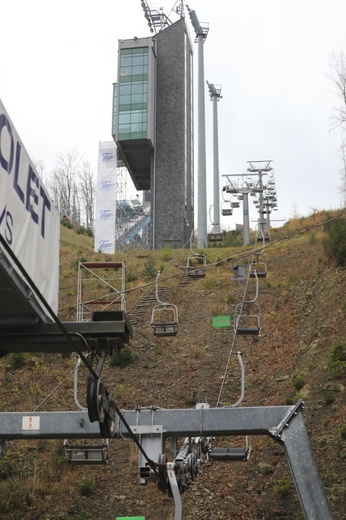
132	96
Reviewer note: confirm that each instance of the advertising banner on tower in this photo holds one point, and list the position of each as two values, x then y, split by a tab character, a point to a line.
29	222
105	198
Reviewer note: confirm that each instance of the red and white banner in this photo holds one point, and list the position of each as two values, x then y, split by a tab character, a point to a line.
105	198
29	222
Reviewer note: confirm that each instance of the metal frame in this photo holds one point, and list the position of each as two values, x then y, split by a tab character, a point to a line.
284	424
91	272
107	330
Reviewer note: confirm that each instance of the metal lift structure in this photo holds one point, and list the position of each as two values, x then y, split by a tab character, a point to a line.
28	325
283	424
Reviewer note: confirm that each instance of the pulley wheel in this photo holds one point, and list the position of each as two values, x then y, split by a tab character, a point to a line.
96	395
107	427
163	476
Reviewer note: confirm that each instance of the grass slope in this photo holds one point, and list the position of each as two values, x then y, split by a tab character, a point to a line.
303	305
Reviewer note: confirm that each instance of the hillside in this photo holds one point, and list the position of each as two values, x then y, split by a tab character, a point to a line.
303	307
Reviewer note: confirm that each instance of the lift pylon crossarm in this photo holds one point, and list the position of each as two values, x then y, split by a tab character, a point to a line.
208	422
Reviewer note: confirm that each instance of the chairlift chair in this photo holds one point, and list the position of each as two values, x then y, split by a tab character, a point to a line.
215	237
235	203
263	235
226	212
193	270
86	454
196	271
247	319
226	209
231	188
258	267
164	317
240	454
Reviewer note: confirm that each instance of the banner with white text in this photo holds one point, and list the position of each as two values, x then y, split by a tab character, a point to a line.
29	222
105	198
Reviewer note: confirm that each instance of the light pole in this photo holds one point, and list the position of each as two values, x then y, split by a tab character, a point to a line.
201	31
215	96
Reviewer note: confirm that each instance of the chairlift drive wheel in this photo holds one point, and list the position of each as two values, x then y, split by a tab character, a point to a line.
96	395
107	427
163	477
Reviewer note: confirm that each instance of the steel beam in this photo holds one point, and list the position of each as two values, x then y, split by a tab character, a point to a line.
284	424
47	337
304	471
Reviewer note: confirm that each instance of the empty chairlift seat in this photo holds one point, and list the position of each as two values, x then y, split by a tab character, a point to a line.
241	454
196	265
230	454
86	454
215	237
226	211
258	266
263	235
247	319
164	319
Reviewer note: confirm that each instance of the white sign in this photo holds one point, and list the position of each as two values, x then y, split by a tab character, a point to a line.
31	423
105	198
29	222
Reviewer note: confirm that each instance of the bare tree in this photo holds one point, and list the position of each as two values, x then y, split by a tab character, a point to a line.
63	185
337	66
342	172
87	193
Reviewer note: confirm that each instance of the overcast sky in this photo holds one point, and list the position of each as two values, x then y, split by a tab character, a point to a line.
58	64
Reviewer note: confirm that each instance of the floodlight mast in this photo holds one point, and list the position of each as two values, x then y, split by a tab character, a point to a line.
215	96
201	31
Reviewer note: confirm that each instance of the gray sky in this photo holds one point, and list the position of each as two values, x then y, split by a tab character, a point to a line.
58	63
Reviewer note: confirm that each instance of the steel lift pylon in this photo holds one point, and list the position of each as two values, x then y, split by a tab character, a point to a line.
284	424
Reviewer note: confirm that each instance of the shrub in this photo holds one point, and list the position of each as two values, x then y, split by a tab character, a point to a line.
66	223
284	487
328	396
10	465
122	357
299	381
342	431
131	277
149	269
17	360
82	230
337	361
86	486
335	244
289	399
